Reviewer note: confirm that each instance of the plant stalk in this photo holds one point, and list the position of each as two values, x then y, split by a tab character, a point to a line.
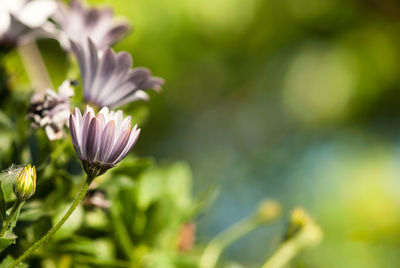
6	223
78	198
214	249
283	255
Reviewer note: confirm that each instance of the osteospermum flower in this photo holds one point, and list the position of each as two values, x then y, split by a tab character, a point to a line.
23	20
108	79
78	22
50	110
103	140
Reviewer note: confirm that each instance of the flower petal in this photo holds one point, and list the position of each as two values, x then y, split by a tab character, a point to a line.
132	141
92	140
107	141
119	146
75	136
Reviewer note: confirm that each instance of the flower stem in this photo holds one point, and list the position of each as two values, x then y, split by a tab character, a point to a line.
35	66
283	255
78	198
309	234
6	223
267	212
214	249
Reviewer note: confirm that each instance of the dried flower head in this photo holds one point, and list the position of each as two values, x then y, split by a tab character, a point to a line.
108	79
78	22
50	110
23	20
103	140
97	199
25	184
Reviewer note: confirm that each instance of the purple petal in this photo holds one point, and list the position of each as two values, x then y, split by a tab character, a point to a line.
143	79
115	34
119	146
104	74
134	96
101	121
119	94
92	17
132	141
74	136
123	64
92	62
79	53
92	140
107	140
87	118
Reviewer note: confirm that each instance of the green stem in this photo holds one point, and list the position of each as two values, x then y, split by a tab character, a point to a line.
6	223
50	233
35	66
214	249
283	255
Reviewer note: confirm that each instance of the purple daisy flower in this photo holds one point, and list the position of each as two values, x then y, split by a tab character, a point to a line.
23	20
103	140
78	22
108	79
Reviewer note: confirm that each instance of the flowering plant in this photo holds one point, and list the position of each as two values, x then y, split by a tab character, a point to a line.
118	210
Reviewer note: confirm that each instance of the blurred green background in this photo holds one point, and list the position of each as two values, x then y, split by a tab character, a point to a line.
294	100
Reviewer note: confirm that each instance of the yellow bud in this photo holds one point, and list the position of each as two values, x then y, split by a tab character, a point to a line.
303	227
25	184
300	217
269	210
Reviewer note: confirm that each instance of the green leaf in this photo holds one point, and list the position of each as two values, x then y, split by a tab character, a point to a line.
150	188
9	260
102	249
5	121
173	180
7	179
6	241
14	219
33	211
2	203
133	167
179	184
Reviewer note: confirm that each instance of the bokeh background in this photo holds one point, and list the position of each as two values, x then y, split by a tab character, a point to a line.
293	100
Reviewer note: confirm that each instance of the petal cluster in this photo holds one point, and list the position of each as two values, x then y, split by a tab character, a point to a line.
78	22
21	20
102	140
108	79
50	110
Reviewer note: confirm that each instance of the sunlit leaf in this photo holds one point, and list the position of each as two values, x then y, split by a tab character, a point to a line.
6	241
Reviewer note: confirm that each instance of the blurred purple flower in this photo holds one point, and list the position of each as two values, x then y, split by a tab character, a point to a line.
102	140
24	20
51	110
108	79
79	22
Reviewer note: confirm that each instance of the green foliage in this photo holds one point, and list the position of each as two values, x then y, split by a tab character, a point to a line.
9	260
6	241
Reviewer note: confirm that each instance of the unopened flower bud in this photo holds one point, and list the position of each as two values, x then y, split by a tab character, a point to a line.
25	184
